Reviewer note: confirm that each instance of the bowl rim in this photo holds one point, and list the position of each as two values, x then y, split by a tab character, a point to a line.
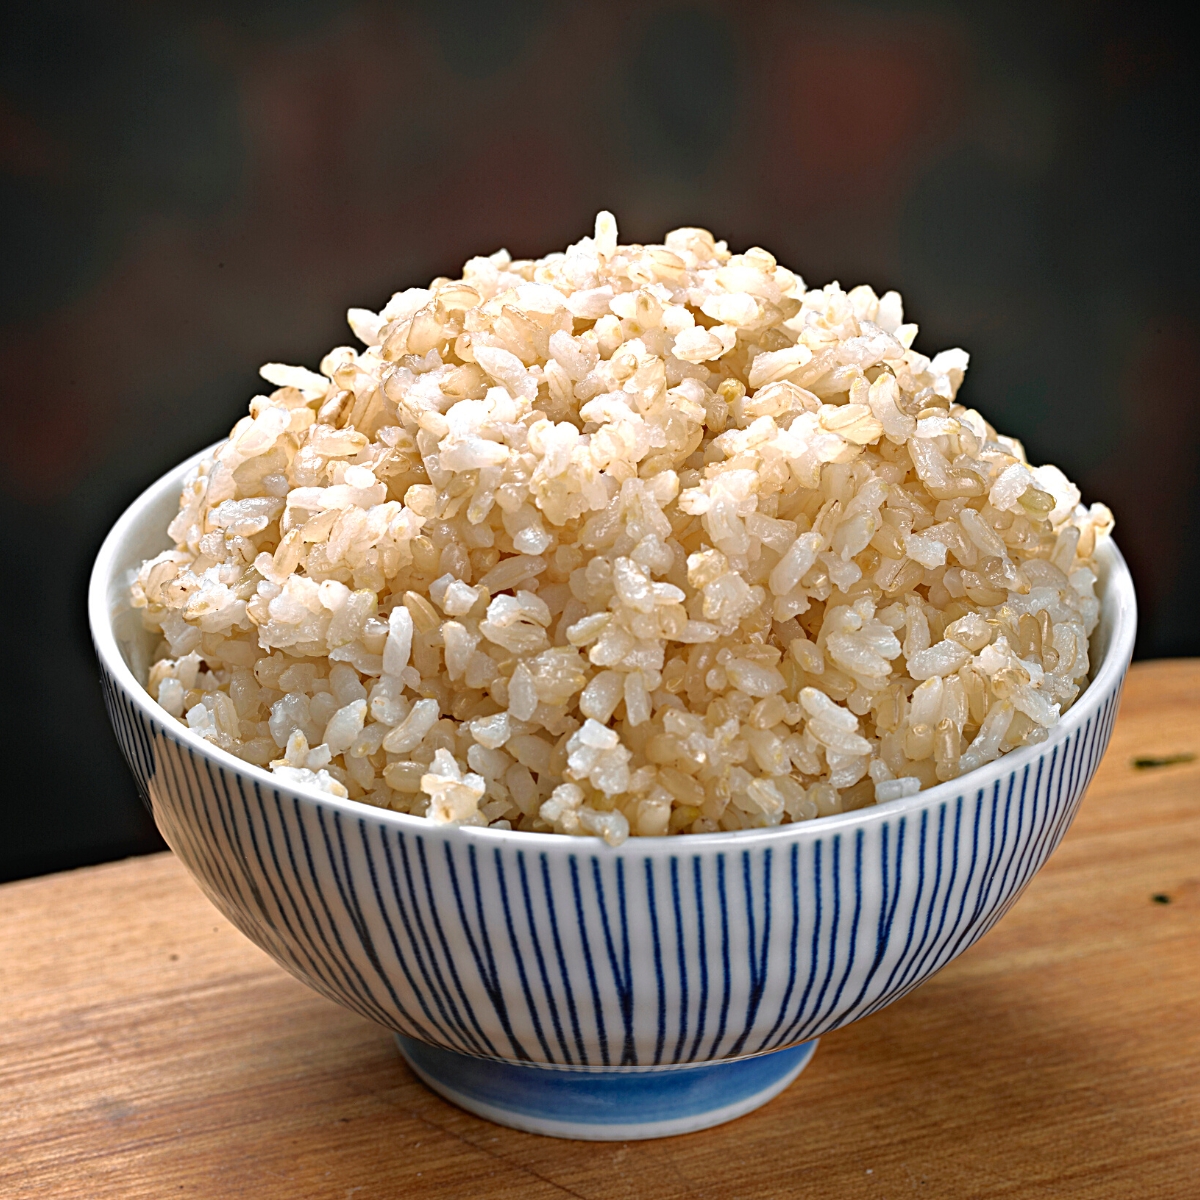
1119	598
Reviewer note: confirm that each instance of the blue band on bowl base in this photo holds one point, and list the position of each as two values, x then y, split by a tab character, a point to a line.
606	1105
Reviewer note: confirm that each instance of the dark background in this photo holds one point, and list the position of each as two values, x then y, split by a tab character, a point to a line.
187	190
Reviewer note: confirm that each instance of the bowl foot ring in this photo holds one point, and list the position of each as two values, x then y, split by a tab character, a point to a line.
606	1105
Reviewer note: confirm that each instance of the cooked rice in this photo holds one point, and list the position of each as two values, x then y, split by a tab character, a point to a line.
627	540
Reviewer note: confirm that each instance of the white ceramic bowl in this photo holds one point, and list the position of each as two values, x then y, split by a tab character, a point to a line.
562	986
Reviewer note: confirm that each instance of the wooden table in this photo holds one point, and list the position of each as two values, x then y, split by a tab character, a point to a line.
148	1050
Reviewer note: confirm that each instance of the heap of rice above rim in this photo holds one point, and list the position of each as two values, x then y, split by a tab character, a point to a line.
628	539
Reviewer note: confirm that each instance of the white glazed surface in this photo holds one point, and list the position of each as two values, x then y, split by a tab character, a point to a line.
548	949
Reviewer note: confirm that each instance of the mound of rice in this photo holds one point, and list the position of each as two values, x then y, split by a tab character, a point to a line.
627	540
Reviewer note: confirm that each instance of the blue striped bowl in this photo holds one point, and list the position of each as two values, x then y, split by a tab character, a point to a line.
557	985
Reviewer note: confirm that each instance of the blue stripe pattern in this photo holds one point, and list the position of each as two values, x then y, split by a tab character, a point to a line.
551	950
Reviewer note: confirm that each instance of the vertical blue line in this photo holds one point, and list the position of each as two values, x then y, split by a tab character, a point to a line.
344	881
933	947
681	956
543	973
1018	837
627	1010
621	974
757	952
813	952
852	954
886	995
299	932
831	961
345	963
597	1007
564	974
1038	808
534	1015
992	864
956	930
343	957
488	974
336	961
439	991
725	964
397	950
443	941
891	887
794	875
658	964
702	941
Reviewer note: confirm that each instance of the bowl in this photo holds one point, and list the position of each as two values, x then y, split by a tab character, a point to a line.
569	988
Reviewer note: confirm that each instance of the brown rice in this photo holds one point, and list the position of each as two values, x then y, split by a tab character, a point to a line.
628	539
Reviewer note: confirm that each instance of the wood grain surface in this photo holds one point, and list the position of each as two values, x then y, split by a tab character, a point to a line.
148	1050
